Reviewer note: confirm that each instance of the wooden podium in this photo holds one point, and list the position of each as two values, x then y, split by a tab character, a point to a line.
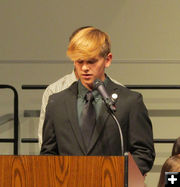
69	171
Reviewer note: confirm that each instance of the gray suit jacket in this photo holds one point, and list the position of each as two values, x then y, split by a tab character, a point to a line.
62	135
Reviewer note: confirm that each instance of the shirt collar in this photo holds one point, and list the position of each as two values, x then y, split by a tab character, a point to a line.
83	90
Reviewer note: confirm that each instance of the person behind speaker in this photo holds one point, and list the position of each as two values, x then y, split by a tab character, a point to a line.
90	50
176	147
172	164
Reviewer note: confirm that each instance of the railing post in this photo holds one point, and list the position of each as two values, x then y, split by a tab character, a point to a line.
16	119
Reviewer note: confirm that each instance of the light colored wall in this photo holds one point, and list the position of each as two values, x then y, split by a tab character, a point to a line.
145	45
138	29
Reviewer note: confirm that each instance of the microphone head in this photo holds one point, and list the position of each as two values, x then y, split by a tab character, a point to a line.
97	83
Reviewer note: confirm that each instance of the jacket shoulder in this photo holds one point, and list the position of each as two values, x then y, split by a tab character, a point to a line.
123	89
64	94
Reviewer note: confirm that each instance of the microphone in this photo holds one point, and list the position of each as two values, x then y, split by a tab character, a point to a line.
99	85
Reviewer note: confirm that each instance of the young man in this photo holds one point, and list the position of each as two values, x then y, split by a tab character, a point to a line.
56	87
65	126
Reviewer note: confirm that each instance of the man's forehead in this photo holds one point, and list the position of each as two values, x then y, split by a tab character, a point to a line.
89	59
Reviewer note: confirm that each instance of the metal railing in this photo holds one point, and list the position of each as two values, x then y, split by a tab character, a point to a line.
16	120
142	87
133	86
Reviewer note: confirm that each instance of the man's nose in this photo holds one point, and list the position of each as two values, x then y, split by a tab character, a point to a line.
85	67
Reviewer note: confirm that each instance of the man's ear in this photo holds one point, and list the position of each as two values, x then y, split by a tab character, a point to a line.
108	60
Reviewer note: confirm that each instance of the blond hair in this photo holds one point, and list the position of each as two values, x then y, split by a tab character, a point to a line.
88	42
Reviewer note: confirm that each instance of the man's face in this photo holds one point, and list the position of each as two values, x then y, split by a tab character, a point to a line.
91	69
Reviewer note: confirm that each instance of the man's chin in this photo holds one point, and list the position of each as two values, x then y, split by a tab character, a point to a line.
87	83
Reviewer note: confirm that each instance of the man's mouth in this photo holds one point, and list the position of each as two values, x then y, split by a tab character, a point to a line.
86	76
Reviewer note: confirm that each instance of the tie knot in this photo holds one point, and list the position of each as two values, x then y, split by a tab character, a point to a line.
89	96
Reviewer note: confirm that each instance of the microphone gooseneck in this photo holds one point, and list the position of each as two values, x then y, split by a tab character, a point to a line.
99	85
120	132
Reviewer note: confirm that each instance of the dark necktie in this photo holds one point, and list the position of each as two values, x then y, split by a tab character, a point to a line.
88	118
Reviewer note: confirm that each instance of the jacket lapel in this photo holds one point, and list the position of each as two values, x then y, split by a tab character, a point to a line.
71	106
100	123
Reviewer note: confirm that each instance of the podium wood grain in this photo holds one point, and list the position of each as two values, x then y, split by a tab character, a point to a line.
61	171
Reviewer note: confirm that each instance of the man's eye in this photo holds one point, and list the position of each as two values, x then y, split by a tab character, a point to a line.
80	61
92	61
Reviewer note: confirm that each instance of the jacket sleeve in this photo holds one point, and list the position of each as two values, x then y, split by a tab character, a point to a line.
49	145
45	98
141	135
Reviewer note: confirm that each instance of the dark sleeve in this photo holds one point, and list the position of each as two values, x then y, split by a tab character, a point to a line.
49	145
141	144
